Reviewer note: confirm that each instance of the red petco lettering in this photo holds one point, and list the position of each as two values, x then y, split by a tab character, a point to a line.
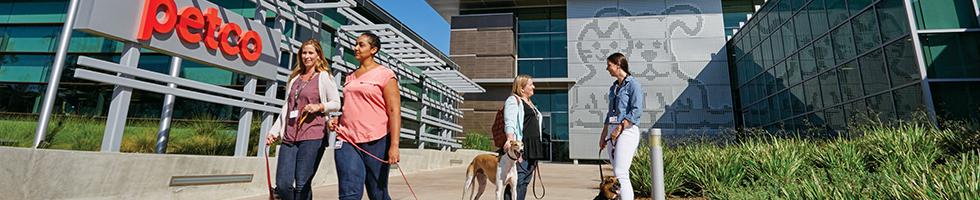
193	26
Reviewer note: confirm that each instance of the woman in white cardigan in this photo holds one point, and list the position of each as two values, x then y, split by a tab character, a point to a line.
522	122
310	94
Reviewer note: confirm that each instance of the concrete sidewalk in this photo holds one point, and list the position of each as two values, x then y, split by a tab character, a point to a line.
562	181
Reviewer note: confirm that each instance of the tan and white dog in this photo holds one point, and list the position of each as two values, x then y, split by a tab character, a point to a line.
502	169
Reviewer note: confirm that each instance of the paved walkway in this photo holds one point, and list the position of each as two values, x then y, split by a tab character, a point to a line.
563	181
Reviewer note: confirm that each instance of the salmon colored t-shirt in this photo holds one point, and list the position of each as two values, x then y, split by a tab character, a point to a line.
365	117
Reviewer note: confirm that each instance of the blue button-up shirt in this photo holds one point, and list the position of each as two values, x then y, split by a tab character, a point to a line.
625	102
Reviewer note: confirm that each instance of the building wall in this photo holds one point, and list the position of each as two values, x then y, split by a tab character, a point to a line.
483	47
676	50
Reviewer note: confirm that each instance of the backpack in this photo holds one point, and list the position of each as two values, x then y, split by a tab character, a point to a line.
499	136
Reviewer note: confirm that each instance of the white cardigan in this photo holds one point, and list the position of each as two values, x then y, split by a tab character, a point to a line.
328	92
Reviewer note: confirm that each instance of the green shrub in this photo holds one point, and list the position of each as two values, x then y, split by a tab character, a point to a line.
894	161
478	141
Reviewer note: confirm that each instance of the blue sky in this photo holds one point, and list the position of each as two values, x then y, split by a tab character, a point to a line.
421	18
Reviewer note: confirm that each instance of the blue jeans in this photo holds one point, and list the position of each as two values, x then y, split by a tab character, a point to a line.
297	164
357	170
525	172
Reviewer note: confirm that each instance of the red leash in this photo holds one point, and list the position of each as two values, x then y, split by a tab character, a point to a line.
382	161
268	176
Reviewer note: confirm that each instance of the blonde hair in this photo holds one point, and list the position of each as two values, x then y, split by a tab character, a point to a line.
322	65
519	82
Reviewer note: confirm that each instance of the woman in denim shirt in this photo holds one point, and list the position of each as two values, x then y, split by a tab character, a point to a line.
625	108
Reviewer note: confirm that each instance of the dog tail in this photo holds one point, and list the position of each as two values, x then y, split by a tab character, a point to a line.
468	182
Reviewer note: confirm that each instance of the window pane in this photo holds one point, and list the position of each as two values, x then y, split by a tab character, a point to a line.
25	68
559	122
856	5
86	43
835	118
559	68
808	65
557	21
38	11
789	40
865	31
871	72
829	86
780	75
798	98
528	66
882	106
818	17
766	53
836	11
533	46
850	78
952	55
204	73
542	69
793	70
532	20
557	47
902	65
956	100
857	112
892	19
908	102
777	46
156	63
32	38
814	98
932	14
843	43
786	102
822	51
803	35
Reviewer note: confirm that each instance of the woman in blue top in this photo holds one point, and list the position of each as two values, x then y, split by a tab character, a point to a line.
625	108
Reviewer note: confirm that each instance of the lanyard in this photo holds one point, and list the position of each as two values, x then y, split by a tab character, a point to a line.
301	87
615	100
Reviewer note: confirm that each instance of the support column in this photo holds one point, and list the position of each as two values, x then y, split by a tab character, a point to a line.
163	134
119	108
54	78
245	121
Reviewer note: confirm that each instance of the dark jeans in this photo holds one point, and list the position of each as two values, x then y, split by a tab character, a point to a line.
357	170
525	171
297	164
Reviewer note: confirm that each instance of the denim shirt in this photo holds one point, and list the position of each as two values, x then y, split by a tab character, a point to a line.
627	104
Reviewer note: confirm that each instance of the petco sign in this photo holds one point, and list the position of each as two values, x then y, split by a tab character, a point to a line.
192	29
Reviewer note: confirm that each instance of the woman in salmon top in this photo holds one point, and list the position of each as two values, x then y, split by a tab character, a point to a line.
372	120
310	93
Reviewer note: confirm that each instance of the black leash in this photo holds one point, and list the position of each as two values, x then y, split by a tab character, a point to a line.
534	189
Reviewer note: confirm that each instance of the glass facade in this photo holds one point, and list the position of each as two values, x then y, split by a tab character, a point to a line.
800	64
541	42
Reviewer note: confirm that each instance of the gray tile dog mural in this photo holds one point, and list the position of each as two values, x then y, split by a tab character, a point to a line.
675	48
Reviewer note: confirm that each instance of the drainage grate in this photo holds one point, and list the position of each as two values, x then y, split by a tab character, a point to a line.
210	179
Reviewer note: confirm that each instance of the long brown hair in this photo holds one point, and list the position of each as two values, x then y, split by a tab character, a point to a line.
620	60
321	66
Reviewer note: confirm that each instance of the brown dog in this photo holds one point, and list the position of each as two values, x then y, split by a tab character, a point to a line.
484	169
608	189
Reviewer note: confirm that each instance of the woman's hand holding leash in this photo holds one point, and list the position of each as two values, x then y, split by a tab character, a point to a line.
393	156
272	137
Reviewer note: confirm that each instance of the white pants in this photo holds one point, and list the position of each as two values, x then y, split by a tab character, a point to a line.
621	156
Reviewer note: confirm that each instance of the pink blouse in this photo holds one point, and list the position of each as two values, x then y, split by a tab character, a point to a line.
365	117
